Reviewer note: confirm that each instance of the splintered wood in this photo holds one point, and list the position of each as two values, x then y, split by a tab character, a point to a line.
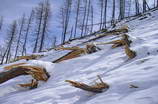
130	53
118	43
13	66
97	88
76	52
31	57
38	74
31	85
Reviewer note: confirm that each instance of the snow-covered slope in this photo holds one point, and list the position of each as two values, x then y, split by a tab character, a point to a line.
111	64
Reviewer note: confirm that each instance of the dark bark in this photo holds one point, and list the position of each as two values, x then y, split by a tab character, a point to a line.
137	7
24	51
92	17
113	14
87	19
101	13
122	9
67	18
84	18
1	23
105	13
20	35
11	35
45	24
77	14
39	17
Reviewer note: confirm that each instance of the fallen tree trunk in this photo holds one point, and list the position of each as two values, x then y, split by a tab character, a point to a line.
15	72
97	88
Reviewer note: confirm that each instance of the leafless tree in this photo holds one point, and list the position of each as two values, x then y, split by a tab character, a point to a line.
122	9
19	36
137	7
77	16
1	23
84	18
10	41
46	18
29	22
39	17
66	12
113	13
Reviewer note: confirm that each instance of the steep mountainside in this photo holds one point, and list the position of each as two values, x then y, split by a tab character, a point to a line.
111	64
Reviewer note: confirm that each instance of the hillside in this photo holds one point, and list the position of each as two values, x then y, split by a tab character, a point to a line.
111	64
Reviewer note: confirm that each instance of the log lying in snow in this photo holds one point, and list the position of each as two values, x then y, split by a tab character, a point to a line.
118	43
119	31
69	55
12	66
15	72
97	88
76	52
38	73
30	57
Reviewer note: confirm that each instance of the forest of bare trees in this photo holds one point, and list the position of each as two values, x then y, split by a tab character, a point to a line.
77	19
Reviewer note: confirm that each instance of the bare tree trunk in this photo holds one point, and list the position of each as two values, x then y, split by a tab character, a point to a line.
26	34
19	37
122	9
137	7
87	19
71	33
84	18
113	14
129	10
77	14
1	23
11	35
105	13
45	24
39	16
101	13
67	18
92	17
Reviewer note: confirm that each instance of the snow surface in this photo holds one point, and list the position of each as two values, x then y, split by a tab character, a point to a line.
111	64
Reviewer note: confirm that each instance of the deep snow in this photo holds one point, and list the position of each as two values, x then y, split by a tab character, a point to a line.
111	64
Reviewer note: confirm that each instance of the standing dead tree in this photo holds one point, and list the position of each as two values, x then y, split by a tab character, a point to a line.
1	23
87	18
19	36
122	9
39	18
24	49
113	14
105	14
101	4
137	7
66	12
11	37
84	18
77	16
46	18
92	19
145	6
